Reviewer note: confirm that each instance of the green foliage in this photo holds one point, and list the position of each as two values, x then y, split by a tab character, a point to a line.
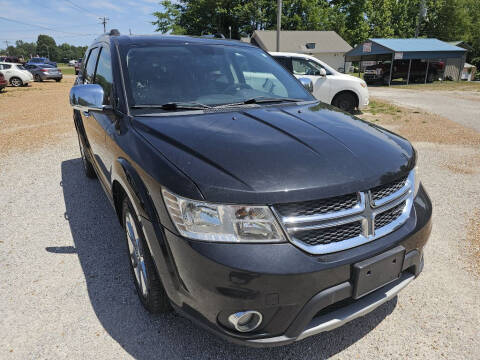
46	46
354	20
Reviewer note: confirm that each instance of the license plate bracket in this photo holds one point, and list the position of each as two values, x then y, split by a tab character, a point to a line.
375	272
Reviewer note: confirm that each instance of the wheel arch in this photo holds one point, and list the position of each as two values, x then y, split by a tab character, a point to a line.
128	183
347	91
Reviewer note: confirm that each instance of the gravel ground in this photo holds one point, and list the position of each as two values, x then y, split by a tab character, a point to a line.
460	106
67	291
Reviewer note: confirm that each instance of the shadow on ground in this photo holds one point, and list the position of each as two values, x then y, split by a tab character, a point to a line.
99	244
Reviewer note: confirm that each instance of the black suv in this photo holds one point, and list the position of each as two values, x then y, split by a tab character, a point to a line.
248	206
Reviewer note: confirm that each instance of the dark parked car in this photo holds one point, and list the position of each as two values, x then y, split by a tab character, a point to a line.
380	73
41	60
43	72
248	206
3	82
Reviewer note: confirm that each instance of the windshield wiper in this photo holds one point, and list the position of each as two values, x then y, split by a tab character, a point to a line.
261	100
264	99
172	106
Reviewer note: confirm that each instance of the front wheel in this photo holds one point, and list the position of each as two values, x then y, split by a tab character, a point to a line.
16	82
58	80
147	282
345	101
37	78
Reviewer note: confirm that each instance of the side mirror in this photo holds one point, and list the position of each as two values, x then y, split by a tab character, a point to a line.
307	84
85	97
323	72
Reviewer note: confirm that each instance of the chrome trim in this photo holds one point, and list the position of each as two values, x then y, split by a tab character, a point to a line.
324	225
344	315
234	320
361	307
408	184
328	216
364	211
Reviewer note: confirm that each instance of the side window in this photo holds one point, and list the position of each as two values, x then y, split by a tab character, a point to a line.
103	75
305	67
90	66
6	66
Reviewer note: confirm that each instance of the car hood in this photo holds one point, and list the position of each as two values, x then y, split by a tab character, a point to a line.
267	155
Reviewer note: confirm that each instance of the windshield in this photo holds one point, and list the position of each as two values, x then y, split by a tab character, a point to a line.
21	67
206	74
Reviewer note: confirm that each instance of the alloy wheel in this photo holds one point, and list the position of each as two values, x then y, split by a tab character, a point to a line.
16	82
136	252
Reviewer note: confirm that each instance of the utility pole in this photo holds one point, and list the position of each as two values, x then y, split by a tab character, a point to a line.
279	22
130	32
104	22
6	49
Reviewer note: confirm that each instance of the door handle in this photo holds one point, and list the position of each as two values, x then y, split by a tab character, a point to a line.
86	113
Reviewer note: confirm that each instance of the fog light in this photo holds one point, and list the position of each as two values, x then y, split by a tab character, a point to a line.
245	321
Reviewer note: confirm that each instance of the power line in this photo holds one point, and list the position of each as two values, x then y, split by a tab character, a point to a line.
43	27
79	7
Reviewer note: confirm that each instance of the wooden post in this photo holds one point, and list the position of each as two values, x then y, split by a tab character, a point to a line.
391	70
426	72
409	66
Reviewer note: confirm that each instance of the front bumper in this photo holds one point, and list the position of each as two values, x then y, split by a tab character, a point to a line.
294	291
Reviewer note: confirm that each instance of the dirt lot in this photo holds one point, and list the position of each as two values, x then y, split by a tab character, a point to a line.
66	289
457	102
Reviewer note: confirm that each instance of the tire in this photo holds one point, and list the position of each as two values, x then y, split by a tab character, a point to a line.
58	80
16	82
87	165
38	78
345	101
76	72
145	277
430	78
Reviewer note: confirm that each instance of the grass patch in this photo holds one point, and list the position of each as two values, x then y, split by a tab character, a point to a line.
445	86
67	70
379	107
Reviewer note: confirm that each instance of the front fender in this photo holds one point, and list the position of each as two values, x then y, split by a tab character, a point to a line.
125	174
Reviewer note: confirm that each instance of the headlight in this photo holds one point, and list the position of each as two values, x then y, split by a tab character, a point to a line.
222	223
363	84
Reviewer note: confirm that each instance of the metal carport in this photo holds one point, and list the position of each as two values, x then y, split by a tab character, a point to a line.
404	49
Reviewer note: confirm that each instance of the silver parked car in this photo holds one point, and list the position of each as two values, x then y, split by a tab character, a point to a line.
42	72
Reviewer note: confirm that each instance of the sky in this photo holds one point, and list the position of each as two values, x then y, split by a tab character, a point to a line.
75	21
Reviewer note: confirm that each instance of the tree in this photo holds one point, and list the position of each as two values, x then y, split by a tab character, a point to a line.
446	20
46	46
380	18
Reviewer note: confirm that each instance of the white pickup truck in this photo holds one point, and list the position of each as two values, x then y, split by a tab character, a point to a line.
343	91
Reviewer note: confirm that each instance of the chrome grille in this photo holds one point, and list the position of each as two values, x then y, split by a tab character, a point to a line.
323	206
383	191
339	223
388	216
330	234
